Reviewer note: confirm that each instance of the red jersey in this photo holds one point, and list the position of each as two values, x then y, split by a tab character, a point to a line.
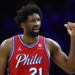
29	60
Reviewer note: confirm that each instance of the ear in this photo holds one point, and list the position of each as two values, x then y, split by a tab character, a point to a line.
23	25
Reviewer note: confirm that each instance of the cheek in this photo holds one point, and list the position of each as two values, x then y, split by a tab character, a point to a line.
29	27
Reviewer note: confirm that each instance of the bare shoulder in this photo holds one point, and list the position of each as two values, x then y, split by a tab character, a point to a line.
52	45
6	46
5	49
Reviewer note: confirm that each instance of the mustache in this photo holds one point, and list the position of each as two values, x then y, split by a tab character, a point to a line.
36	27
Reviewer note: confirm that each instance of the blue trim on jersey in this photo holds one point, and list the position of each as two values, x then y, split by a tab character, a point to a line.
12	50
27	45
48	54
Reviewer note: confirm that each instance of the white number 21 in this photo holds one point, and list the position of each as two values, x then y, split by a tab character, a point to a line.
34	71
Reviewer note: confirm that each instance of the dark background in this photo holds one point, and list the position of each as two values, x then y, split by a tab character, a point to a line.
55	14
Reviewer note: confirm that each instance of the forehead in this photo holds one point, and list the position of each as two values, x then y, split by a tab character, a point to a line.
33	16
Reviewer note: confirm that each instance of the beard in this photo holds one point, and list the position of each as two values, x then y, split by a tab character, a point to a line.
32	32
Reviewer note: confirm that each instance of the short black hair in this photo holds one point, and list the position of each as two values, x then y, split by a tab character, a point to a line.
27	10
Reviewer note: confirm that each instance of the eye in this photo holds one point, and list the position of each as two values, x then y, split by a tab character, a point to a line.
38	19
33	20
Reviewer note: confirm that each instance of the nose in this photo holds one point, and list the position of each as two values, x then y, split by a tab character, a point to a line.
37	22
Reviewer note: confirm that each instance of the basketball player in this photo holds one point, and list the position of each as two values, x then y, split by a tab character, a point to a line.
29	53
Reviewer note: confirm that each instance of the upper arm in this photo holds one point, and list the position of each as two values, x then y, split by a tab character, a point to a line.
57	55
4	55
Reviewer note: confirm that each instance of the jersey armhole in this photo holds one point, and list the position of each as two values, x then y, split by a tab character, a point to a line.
12	49
47	51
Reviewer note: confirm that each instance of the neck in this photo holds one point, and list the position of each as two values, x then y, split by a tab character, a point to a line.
28	40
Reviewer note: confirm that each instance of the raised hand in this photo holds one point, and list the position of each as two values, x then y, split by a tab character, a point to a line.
70	28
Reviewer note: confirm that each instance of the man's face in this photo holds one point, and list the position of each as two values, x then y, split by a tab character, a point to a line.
33	25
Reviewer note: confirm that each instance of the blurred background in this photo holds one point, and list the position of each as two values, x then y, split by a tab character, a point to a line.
55	14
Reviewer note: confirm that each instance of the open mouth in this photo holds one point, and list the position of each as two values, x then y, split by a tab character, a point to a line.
36	30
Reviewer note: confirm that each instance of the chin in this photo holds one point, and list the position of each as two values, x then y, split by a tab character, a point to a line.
35	34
